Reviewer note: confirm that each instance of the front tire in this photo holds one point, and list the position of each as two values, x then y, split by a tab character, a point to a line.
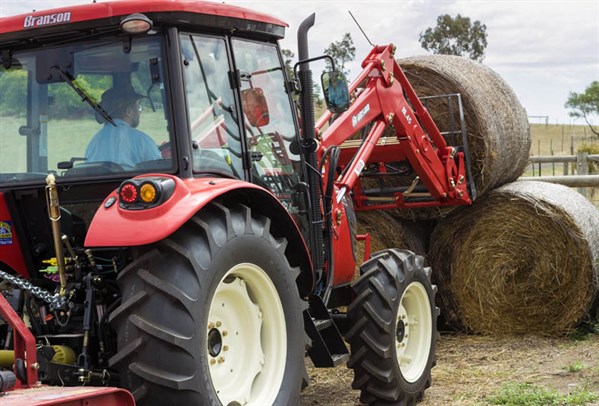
393	329
211	315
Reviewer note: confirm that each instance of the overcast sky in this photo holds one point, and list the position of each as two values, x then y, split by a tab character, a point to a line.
543	48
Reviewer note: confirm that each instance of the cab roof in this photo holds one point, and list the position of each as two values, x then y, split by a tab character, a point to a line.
176	12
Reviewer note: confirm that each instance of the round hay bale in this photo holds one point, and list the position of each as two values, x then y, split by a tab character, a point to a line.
388	232
497	125
522	259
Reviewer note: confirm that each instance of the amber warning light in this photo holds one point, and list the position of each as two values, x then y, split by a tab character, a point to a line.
144	193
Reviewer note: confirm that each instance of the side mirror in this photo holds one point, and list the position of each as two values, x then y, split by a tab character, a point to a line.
255	107
336	93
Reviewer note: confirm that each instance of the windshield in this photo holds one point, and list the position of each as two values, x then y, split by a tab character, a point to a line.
93	109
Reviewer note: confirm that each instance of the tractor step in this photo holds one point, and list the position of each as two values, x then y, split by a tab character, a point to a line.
328	348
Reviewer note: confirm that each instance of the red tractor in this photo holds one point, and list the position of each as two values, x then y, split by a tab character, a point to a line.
172	225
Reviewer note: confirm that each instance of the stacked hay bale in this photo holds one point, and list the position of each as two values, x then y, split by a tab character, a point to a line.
387	231
523	259
497	130
498	138
496	123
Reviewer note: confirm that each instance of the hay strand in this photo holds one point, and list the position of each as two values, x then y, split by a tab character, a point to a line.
522	259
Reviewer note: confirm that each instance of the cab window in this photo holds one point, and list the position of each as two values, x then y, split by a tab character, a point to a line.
63	111
212	115
267	118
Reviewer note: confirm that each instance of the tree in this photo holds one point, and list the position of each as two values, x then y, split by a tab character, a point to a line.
585	105
288	56
13	93
456	36
287	59
342	52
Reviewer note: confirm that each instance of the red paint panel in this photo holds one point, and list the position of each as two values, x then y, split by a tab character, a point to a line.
116	227
24	342
10	250
94	11
68	396
345	263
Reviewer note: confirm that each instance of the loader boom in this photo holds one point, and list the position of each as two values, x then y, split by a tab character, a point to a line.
388	99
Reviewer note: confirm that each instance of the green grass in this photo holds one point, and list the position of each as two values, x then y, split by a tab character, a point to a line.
534	395
575	367
559	139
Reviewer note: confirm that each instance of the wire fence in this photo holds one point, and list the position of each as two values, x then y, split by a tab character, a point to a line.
580	171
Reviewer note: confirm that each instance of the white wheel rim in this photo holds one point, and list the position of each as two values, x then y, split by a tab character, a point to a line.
414	329
246	338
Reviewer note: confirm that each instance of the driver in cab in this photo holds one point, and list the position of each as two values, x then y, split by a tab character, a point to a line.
122	143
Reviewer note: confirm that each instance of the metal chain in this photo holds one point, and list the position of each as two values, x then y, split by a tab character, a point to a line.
54	300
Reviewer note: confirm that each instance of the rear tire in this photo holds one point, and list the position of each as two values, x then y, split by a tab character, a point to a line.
393	329
211	315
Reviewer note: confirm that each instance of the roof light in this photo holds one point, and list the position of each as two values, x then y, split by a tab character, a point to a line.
136	24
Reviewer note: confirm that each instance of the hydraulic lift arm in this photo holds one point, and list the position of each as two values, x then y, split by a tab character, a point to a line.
388	99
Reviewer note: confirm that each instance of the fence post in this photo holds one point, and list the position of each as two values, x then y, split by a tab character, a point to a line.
572	153
582	168
539	154
552	163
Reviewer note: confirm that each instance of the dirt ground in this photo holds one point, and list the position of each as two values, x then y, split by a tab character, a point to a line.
470	368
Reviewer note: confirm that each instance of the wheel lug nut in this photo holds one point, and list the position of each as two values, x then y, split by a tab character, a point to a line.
226	348
212	361
224	333
221	359
210	326
218	324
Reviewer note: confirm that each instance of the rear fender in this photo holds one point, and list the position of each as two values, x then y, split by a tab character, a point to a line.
113	226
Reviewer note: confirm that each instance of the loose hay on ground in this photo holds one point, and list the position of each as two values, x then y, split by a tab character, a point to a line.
522	259
496	123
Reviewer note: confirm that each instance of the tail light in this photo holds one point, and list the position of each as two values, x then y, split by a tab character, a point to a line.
144	193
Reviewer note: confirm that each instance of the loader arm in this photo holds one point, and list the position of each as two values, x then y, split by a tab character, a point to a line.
388	99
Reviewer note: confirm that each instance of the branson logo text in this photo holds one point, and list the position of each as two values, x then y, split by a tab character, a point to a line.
49	19
358	117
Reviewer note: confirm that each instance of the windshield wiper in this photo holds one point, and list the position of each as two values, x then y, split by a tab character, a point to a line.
84	97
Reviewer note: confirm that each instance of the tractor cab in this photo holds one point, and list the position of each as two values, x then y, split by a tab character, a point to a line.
207	95
100	93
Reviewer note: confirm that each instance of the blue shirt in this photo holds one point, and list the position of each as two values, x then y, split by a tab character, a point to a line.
122	144
337	95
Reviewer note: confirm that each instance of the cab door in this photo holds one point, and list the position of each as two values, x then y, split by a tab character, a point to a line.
268	121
